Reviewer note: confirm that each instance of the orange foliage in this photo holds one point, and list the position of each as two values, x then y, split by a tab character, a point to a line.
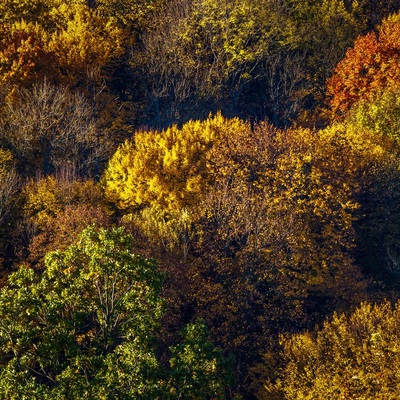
23	57
373	64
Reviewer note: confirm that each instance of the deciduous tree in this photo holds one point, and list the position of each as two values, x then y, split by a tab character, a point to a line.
90	314
372	65
48	127
353	356
50	209
85	45
165	169
86	327
24	58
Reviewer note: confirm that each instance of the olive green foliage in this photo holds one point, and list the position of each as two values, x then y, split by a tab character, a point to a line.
380	114
198	367
15	10
65	331
131	13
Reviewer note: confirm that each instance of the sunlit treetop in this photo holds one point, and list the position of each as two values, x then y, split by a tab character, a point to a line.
167	169
351	356
370	66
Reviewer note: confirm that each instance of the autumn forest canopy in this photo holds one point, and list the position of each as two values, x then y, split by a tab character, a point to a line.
199	199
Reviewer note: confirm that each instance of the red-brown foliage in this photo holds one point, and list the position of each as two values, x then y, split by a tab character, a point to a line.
373	64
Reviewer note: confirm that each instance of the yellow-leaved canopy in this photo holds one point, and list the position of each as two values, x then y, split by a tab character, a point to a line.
73	45
85	43
350	357
167	169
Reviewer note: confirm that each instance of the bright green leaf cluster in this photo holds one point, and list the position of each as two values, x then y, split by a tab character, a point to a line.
86	328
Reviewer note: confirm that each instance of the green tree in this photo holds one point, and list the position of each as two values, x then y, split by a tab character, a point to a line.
88	319
86	327
204	52
199	370
379	114
314	37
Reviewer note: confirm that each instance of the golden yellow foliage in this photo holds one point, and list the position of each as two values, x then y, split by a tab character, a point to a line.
70	44
350	357
84	43
54	211
132	13
47	197
165	169
163	176
16	10
44	199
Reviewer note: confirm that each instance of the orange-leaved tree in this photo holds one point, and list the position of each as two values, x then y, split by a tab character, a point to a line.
24	58
370	66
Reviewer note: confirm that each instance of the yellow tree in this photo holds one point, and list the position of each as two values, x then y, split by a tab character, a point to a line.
350	356
16	10
50	209
165	169
204	49
89	48
132	13
72	45
84	43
